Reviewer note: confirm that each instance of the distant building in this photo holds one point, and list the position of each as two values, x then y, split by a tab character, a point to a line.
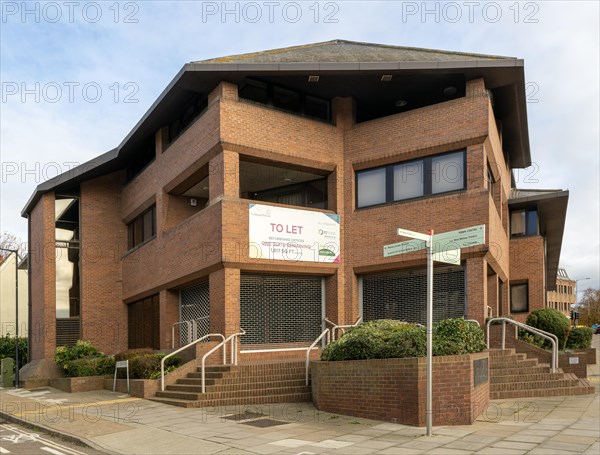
564	296
7	295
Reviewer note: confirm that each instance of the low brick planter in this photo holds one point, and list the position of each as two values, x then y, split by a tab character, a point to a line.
80	384
395	390
140	388
573	362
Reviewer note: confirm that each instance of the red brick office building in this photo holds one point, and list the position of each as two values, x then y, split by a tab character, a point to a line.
259	190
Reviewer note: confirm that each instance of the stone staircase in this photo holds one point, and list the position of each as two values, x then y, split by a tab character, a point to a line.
229	385
515	376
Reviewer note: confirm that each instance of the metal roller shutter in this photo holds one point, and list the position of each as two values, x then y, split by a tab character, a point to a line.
402	294
280	309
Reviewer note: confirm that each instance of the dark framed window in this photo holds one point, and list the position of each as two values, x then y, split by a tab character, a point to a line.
491	181
519	298
523	222
411	179
285	98
142	228
194	109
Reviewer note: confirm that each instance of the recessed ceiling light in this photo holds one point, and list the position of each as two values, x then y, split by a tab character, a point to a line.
386	78
287	179
204	187
450	90
401	103
313	78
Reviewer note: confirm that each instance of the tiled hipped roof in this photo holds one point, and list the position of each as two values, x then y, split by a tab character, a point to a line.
342	51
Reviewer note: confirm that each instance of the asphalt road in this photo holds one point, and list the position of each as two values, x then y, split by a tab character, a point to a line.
18	440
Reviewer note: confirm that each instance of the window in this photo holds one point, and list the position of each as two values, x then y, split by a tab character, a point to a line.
142	228
193	110
519	298
286	99
371	187
447	173
408	180
523	222
490	179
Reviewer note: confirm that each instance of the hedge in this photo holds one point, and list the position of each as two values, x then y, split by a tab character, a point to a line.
145	363
580	338
382	339
553	321
7	348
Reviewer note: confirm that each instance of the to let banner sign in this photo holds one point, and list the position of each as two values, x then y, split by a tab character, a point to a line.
283	234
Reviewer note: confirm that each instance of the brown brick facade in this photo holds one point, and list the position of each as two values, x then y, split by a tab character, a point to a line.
211	239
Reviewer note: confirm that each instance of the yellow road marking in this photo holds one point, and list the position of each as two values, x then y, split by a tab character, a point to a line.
51	406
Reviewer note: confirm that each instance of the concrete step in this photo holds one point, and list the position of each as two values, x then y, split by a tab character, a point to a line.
233	394
221	387
537	393
525	376
501	352
512	363
255	399
529	385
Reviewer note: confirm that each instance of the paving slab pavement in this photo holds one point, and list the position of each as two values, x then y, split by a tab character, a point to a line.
116	423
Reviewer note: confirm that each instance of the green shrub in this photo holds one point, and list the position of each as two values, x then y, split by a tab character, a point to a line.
7	348
531	339
142	367
553	321
91	366
457	336
580	338
133	353
395	339
65	354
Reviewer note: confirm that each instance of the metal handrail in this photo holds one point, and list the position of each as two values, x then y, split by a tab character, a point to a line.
490	312
547	335
475	321
341	328
162	362
233	339
189	324
312	346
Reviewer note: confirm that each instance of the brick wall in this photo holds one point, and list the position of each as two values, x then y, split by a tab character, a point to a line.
103	242
527	266
395	390
42	257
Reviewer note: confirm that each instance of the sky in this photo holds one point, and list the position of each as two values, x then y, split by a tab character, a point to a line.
76	76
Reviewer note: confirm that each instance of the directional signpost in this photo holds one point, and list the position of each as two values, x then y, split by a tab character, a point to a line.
444	247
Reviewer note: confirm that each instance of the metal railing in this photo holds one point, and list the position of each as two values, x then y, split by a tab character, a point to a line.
341	328
162	362
490	312
475	321
189	326
548	336
325	333
231	338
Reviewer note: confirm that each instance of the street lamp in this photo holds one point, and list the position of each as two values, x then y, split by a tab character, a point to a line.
588	308
16	252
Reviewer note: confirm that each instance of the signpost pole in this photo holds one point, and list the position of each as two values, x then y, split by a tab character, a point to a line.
429	410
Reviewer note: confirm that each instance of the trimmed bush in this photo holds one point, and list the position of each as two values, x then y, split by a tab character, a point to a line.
553	321
580	338
384	339
65	354
457	336
91	366
145	363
